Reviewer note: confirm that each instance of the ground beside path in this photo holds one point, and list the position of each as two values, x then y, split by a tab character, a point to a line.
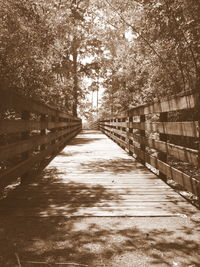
94	205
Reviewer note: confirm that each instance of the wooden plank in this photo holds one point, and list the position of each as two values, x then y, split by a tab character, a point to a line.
10	99
119	116
11	150
94	212
162	156
15	172
172	104
137	138
179	152
25	115
139	153
142	134
178	176
186	128
69	189
117	139
15	126
137	125
117	131
116	124
183	179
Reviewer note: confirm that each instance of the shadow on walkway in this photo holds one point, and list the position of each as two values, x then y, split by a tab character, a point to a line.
36	222
116	166
87	241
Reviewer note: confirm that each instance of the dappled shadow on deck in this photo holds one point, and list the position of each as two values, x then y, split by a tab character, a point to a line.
44	231
116	166
87	241
93	242
51	196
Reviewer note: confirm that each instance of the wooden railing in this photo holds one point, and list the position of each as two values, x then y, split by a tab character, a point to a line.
93	125
160	137
30	134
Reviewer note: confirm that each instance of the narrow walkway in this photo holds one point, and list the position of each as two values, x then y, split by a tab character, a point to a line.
95	205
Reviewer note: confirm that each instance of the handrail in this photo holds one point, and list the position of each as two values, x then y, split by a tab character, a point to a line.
148	133
30	133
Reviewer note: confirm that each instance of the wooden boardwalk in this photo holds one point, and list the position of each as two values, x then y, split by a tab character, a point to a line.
93	176
95	205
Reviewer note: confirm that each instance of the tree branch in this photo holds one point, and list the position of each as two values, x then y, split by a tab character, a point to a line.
163	62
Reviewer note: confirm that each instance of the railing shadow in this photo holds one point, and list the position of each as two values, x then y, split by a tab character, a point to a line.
40	223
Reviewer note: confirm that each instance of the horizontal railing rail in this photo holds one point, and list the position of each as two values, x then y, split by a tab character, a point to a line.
93	125
30	134
164	136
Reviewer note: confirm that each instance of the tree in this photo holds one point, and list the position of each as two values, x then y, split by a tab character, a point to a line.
155	49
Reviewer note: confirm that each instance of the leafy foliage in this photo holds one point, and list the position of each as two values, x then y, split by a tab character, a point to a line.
137	51
154	50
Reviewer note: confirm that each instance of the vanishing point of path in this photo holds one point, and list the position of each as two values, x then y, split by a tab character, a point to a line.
94	205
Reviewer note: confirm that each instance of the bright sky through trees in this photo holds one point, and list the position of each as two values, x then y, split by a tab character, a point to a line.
135	51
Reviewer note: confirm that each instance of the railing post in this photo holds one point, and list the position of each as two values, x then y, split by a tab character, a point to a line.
129	132
42	131
142	134
25	115
198	118
163	137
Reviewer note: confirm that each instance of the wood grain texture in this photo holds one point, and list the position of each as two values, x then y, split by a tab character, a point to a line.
15	126
93	176
21	168
173	103
179	152
189	183
17	102
11	150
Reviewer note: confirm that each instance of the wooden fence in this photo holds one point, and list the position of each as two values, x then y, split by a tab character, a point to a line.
93	125
164	136
30	134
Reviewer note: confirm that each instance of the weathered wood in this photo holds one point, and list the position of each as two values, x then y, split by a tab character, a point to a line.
186	181
179	152
142	134
183	179
20	169
11	150
116	124
34	145
25	135
116	131
9	99
188	128
172	104
84	180
15	126
129	131
163	137
43	131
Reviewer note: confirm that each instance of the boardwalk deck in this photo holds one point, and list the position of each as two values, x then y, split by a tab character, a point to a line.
95	205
